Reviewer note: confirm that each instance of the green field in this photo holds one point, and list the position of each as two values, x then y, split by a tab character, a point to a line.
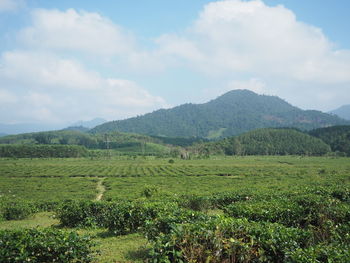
259	182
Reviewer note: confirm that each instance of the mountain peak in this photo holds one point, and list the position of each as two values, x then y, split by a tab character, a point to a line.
232	113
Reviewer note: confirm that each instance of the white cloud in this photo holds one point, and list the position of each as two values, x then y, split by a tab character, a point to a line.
250	40
249	36
48	88
46	70
10	5
77	31
7	97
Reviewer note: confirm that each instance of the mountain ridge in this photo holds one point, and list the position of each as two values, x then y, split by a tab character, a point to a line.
232	113
342	112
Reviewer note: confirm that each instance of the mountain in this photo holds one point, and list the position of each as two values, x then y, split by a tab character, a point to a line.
233	113
342	112
338	137
3	134
266	141
89	124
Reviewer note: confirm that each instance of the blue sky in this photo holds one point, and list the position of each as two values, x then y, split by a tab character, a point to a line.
63	61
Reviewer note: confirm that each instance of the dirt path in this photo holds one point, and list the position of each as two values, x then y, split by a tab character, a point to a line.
100	189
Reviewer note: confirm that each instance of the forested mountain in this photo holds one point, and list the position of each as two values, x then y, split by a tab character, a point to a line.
233	113
265	142
342	112
338	137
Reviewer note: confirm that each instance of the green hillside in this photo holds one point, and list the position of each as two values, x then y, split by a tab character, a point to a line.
266	142
233	113
338	137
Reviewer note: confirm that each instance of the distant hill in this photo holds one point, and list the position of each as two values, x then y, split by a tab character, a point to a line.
233	113
266	142
342	112
3	134
89	124
338	137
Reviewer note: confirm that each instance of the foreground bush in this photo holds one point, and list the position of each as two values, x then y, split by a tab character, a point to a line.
16	210
298	211
22	209
119	217
229	240
44	245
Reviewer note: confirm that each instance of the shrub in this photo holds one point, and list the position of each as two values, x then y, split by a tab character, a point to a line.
16	210
196	203
82	213
228	240
119	218
335	253
44	245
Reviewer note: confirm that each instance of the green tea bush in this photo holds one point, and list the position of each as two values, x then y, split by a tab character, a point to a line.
118	217
228	240
298	211
168	219
83	213
44	245
16	210
335	253
196	203
128	217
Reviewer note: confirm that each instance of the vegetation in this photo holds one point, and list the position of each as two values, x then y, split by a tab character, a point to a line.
233	113
219	209
44	245
266	142
338	137
42	151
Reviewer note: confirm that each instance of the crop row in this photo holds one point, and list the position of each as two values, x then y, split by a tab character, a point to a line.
114	171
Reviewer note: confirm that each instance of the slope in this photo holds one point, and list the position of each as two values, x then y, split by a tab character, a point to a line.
342	112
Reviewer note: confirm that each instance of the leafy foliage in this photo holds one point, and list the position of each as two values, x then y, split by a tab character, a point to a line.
228	240
44	245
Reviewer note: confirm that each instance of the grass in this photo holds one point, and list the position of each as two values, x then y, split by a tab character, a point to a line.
43	219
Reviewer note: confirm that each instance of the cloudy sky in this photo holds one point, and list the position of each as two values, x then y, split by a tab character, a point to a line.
63	61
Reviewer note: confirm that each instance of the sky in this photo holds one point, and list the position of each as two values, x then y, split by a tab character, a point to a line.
62	61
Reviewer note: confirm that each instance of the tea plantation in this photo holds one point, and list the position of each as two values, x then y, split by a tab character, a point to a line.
136	209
